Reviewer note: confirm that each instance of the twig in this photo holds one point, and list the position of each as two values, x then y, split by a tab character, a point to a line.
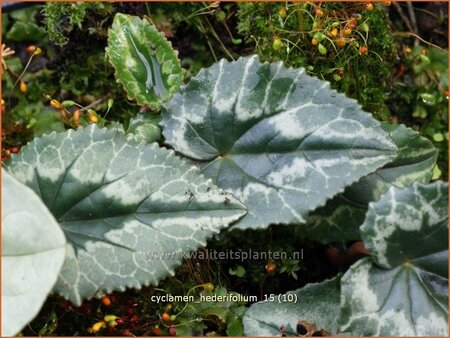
94	103
412	16
403	16
408	34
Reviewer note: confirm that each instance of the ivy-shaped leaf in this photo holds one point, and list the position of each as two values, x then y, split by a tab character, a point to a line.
130	210
316	303
402	290
144	127
281	141
25	31
33	251
341	217
144	60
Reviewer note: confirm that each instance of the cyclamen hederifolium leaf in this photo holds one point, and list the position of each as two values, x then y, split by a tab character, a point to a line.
144	127
33	251
121	204
144	60
403	288
339	220
317	303
281	141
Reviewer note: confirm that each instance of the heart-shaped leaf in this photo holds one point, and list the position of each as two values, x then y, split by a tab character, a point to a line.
281	141
130	210
33	251
144	60
316	304
402	290
341	217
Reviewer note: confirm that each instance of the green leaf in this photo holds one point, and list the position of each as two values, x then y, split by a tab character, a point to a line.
317	303
130	210
281	141
144	60
235	328
341	217
25	31
33	251
403	289
144	127
239	271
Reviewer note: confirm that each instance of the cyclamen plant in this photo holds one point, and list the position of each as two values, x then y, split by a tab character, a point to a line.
256	144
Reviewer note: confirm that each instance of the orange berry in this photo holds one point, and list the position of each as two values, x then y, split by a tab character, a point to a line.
270	267
340	42
363	50
315	42
352	24
30	49
56	104
318	12
23	86
369	6
92	116
165	316
76	117
334	32
5	154
105	300
347	31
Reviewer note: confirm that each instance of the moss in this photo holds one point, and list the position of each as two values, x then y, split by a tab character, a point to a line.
366	78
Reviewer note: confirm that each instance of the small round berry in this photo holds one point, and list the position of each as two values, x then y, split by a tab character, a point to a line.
208	287
165	316
319	12
31	49
277	44
23	86
15	149
334	32
340	42
106	300
363	50
270	267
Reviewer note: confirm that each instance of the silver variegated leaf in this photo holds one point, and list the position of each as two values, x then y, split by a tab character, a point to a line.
144	127
402	290
341	217
33	252
129	210
144	61
316	303
281	141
